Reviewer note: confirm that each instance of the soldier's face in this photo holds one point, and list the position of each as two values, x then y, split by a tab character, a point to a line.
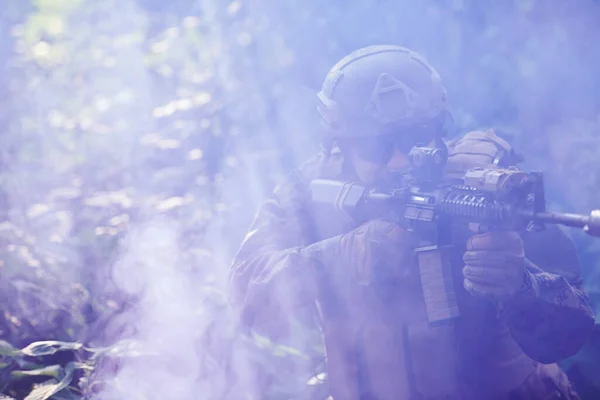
373	157
371	171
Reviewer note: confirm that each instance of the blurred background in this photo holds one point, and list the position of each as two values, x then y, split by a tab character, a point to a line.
137	138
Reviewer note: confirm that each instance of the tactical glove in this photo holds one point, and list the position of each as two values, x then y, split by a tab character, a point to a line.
495	265
478	149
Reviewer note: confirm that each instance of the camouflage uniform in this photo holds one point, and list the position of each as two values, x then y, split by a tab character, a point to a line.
491	352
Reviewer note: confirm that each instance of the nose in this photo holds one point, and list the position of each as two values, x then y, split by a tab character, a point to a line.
398	161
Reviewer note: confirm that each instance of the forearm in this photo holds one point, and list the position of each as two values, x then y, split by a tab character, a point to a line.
551	318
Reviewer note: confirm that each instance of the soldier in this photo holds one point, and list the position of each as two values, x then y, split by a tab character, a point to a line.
522	304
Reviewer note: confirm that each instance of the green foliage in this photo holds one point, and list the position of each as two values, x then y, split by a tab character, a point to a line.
18	365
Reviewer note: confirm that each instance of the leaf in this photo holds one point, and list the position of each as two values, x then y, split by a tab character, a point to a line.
105	199
49	347
38	209
124	348
173	202
66	394
51	370
26	364
54	371
7	349
50	388
281	351
278	350
318	379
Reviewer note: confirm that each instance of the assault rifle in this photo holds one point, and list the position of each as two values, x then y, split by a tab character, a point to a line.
427	204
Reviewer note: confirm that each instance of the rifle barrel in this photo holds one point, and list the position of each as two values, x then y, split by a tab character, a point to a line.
589	223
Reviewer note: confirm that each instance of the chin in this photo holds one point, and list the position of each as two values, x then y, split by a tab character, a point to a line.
372	179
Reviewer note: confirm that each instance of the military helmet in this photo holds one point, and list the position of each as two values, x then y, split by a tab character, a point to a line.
380	90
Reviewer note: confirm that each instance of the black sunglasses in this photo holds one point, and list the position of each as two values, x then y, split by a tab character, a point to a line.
381	148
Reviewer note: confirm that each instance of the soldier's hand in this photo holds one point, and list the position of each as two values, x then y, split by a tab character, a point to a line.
494	265
477	149
376	250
